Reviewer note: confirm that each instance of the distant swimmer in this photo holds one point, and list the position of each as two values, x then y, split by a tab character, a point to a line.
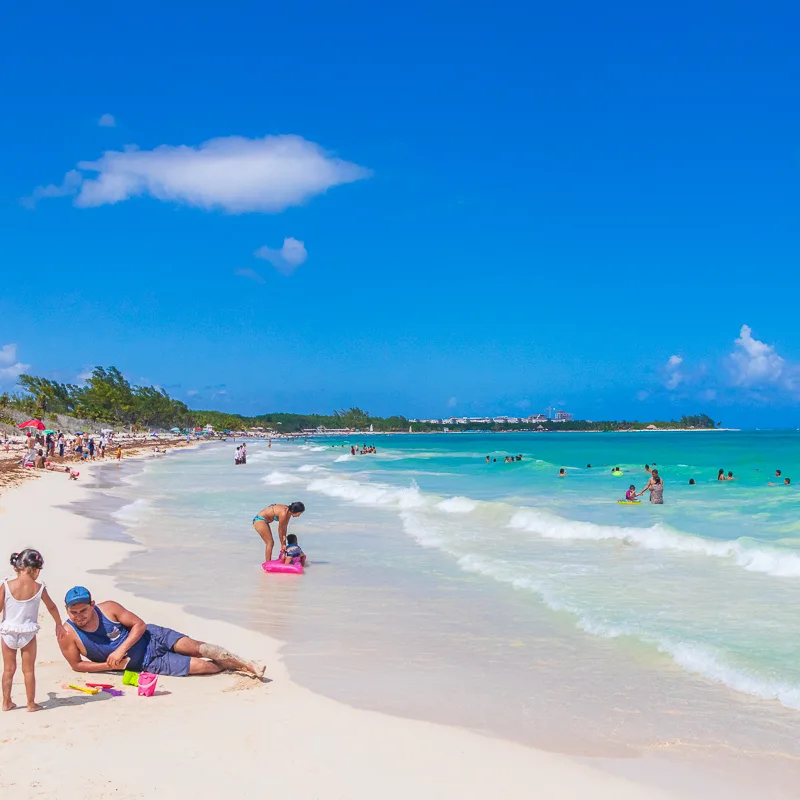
777	473
721	475
488	459
786	482
275	513
562	473
656	488
519	457
588	466
730	476
691	482
616	471
647	468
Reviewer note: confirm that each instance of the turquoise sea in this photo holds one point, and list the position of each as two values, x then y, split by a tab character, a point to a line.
568	620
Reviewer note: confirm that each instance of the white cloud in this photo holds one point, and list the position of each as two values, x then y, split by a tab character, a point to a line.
523	404
708	395
69	186
754	363
10	366
8	354
231	173
285	259
107	121
674	375
642	395
192	392
452	402
249	273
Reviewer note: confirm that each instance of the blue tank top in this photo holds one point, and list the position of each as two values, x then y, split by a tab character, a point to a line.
109	635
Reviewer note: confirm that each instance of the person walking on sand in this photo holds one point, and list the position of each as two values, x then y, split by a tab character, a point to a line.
275	513
656	488
106	636
20	598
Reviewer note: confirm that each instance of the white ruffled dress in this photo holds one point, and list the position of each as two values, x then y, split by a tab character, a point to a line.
19	624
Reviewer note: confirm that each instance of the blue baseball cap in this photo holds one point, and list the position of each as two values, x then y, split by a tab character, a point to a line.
77	594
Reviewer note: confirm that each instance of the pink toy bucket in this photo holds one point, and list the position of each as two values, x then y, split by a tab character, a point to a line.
147	684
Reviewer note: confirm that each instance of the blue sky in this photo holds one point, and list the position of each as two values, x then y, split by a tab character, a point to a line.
413	208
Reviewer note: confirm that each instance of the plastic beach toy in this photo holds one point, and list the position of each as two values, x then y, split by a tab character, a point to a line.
147	684
278	566
130	678
83	689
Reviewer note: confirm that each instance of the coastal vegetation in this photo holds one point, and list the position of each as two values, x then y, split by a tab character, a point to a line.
107	397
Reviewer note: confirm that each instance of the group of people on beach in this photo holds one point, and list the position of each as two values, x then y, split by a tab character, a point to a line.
39	450
97	637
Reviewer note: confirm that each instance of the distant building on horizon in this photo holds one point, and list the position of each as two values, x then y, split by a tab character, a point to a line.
564	416
537	418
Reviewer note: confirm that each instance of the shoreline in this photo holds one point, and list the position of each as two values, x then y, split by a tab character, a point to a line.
309	746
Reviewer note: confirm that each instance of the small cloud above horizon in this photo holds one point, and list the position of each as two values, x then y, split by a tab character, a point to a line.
246	272
674	375
10	365
754	363
287	258
107	121
230	173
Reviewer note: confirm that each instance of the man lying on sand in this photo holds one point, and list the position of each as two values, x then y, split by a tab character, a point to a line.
109	637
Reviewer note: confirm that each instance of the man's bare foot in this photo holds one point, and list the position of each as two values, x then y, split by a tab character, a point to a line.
227	660
34	707
8	705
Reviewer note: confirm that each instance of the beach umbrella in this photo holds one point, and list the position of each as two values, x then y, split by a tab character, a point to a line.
33	423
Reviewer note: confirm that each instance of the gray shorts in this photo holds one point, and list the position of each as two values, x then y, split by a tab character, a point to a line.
160	657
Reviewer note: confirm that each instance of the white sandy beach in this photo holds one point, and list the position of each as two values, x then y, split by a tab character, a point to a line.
228	734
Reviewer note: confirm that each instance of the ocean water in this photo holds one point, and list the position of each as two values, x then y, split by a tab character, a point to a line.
568	620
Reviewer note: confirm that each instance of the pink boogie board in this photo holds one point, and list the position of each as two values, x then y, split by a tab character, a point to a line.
278	566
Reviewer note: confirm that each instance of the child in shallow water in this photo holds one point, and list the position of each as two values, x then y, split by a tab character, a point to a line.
630	495
293	551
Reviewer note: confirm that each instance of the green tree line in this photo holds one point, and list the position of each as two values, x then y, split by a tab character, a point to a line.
106	396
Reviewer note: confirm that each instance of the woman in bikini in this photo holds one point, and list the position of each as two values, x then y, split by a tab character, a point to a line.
275	513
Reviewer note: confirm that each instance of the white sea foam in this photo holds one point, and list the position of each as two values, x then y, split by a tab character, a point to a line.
276	478
370	494
133	512
755	558
690	656
311	468
343	457
457	505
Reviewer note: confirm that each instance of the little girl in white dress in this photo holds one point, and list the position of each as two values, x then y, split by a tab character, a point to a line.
20	598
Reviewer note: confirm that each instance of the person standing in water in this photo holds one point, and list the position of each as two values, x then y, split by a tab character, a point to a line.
275	513
656	488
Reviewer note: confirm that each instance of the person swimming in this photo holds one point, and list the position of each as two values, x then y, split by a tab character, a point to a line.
562	473
616	471
691	482
721	475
